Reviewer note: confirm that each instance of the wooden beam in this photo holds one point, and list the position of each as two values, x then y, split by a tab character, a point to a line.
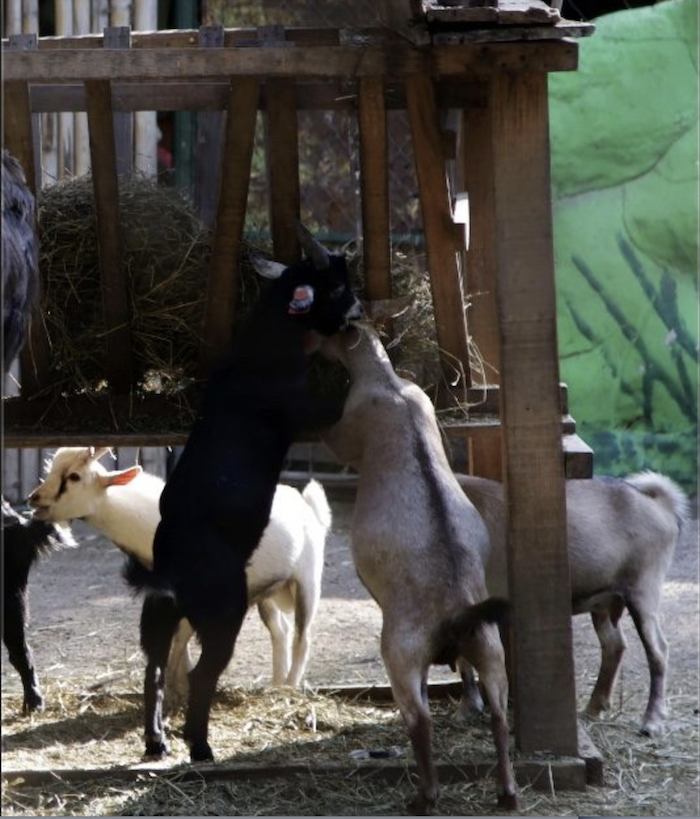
222	287
533	465
374	180
209	146
120	37
115	303
282	152
442	239
344	61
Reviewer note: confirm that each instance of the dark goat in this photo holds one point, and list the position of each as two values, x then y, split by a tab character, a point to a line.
20	258
23	542
216	504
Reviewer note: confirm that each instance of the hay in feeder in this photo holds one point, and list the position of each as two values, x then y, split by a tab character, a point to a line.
166	253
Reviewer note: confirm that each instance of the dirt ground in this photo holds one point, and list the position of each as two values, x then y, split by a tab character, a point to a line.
84	632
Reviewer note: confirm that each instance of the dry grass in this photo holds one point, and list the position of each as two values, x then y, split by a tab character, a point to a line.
270	731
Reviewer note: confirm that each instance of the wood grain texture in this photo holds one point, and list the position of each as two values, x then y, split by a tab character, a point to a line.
374	179
115	304
222	287
531	417
441	237
282	148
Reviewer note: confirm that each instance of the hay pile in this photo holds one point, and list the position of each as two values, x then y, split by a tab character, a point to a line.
166	254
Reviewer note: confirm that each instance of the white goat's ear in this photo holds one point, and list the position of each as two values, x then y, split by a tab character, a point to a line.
267	268
120	477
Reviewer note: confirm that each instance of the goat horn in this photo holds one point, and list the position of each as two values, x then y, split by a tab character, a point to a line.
267	268
313	248
97	453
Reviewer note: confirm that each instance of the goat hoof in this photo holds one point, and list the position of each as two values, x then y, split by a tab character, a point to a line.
420	805
32	702
155	749
509	801
201	752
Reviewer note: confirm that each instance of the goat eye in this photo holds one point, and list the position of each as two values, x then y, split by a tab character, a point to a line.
74	476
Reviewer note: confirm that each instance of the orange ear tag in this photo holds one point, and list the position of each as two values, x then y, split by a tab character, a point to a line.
302	300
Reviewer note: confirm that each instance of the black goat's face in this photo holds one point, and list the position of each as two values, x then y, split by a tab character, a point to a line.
317	290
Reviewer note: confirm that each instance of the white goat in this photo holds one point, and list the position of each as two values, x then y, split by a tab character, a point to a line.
622	535
417	544
284	574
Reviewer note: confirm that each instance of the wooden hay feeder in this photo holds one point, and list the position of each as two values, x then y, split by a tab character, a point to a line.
474	84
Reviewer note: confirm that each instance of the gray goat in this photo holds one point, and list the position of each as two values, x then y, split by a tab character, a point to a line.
417	543
622	535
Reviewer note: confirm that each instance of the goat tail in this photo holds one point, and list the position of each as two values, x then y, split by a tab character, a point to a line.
143	580
454	633
664	491
315	497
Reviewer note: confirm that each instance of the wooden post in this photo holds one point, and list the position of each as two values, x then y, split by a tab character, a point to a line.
222	287
475	163
533	466
442	238
282	148
115	305
120	37
210	137
374	180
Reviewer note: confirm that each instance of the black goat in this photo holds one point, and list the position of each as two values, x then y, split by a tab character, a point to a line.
20	258
216	504
23	542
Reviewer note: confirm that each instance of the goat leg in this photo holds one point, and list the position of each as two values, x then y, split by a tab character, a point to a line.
656	648
217	635
159	619
612	645
19	652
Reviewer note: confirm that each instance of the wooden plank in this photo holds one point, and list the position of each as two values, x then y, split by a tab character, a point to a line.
395	62
374	180
115	304
441	238
212	95
222	287
282	153
502	12
512	34
120	37
209	145
531	415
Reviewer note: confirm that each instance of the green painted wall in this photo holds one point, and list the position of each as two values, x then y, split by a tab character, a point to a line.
624	132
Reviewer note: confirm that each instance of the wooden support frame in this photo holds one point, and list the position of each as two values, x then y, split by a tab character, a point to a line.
222	287
531	416
504	85
115	304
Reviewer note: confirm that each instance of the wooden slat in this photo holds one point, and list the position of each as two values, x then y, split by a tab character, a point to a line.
441	237
502	12
374	180
282	151
222	288
209	146
531	415
212	95
120	37
395	62
115	304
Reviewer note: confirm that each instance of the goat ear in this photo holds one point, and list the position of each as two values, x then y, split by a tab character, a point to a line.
267	268
302	300
318	254
121	477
